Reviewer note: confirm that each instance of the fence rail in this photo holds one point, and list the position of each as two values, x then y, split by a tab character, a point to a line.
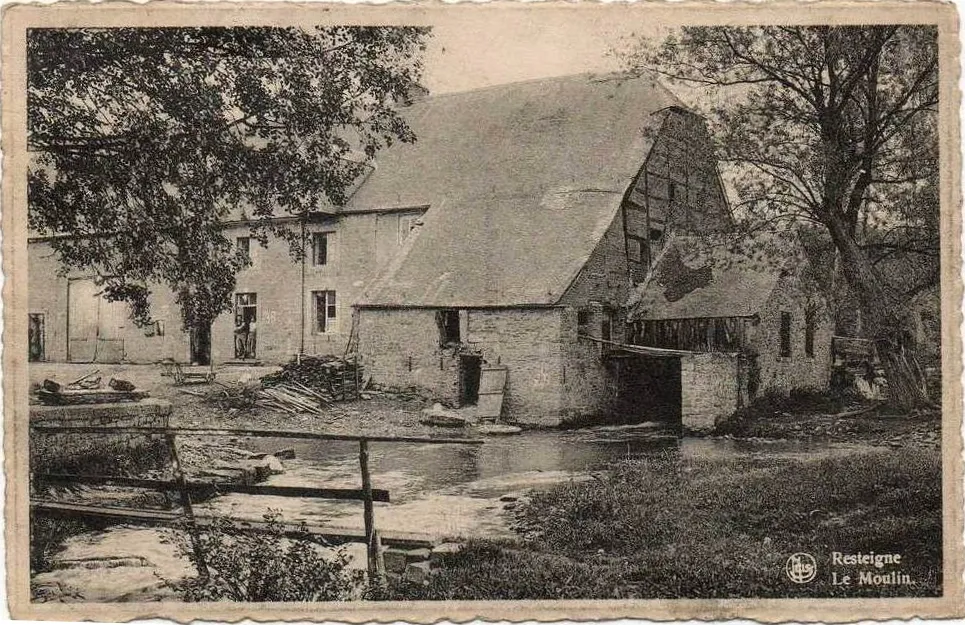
367	494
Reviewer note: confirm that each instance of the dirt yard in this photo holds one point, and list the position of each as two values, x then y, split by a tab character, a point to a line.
383	414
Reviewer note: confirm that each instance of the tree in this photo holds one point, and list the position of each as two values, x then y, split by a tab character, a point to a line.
145	140
834	126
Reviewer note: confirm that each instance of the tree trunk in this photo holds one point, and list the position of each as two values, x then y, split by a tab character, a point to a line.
883	322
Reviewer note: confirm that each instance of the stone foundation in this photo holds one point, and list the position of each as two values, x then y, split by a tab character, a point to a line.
70	451
709	389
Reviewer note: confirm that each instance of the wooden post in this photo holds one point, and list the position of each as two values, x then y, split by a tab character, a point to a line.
371	538
199	560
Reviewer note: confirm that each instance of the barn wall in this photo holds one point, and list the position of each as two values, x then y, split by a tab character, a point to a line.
400	348
600	290
48	295
530	343
677	189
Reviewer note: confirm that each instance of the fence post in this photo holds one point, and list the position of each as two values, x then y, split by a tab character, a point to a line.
375	567
199	560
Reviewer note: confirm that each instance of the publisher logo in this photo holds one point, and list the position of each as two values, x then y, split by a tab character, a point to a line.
801	568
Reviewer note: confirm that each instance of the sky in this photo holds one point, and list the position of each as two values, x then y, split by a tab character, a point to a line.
468	52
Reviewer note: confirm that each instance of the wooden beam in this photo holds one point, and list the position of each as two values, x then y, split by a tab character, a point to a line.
378	494
107	429
334	535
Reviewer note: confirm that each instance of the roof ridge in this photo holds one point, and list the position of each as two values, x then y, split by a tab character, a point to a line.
528	81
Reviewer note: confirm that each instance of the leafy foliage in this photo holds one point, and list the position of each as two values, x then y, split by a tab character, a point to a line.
146	140
836	127
264	566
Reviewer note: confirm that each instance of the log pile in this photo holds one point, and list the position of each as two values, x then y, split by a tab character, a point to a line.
290	397
330	377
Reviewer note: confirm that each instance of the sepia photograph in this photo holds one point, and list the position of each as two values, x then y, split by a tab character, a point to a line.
401	307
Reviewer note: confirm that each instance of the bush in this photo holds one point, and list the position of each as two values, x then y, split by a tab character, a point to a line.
265	566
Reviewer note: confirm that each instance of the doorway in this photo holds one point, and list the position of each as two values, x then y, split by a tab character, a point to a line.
95	326
470	368
201	345
246	318
35	338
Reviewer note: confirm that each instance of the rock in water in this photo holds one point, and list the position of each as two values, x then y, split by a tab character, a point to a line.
120	385
439	416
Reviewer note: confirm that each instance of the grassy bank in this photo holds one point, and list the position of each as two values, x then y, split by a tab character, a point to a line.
830	417
667	527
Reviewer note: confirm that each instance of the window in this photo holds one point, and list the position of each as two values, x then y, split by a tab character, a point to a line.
655	234
326	311
809	333
448	321
786	334
243	248
320	248
407	224
582	319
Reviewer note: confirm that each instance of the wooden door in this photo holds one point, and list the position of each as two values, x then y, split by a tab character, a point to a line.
94	325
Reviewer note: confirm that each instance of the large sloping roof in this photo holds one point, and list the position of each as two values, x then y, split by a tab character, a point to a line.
522	181
714	276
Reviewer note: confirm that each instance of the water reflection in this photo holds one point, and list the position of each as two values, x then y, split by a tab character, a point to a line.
452	490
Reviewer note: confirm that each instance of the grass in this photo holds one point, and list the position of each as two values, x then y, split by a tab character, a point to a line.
666	527
813	415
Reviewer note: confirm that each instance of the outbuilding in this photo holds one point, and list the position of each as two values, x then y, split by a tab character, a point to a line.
721	320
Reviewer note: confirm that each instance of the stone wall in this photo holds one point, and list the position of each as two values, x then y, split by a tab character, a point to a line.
779	373
529	342
71	451
709	388
600	292
401	348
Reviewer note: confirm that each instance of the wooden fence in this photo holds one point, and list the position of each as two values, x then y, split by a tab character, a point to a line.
367	494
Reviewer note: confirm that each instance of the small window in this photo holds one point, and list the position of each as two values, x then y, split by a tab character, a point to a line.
786	334
582	318
673	192
655	234
326	311
448	327
243	248
320	248
408	223
634	250
809	323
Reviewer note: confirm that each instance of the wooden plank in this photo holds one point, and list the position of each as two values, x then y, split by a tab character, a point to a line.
378	494
492	385
130	515
371	545
335	535
492	380
489	406
107	429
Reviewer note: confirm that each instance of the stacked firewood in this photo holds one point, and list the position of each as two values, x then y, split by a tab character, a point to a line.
330	377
